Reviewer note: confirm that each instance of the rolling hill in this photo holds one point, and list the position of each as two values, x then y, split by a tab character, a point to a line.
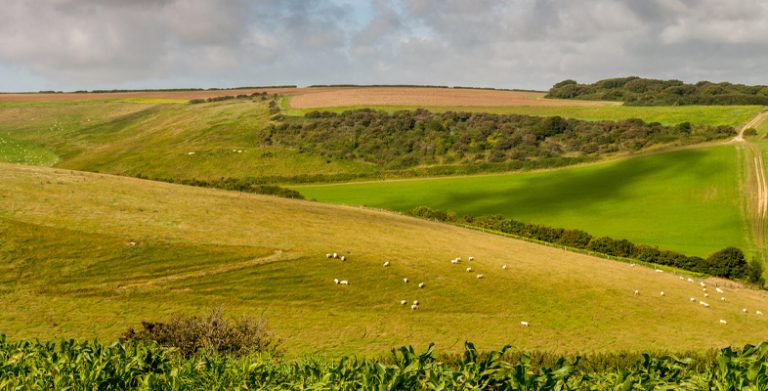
88	255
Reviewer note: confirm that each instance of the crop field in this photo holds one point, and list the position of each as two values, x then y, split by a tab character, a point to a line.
686	200
95	254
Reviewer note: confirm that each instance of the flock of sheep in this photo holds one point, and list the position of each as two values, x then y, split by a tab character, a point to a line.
705	292
415	304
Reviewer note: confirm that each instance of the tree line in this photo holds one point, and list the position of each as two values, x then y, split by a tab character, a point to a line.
407	139
729	262
636	91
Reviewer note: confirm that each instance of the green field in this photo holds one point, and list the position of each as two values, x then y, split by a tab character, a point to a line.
668	115
87	255
688	200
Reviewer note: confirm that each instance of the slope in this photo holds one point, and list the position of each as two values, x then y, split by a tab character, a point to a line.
86	255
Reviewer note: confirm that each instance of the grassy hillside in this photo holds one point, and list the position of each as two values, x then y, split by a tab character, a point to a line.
204	141
667	115
688	201
87	255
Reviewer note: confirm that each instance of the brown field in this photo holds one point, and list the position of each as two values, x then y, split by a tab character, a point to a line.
44	97
418	96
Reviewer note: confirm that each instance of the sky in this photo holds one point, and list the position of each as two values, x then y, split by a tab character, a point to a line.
530	44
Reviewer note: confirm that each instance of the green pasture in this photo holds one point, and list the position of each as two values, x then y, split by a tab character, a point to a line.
688	200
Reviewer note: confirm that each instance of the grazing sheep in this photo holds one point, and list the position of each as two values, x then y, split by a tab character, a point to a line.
329	255
458	259
681	278
470	259
659	271
343	282
744	310
661	293
693	299
706	295
504	266
722	298
422	285
702	284
414	307
632	265
704	304
637	292
334	255
403	302
759	313
343	258
386	264
469	270
480	276
524	323
405	280
455	261
718	290
415	302
722	321
336	281
690	279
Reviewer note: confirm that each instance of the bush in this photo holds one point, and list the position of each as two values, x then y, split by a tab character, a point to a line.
728	262
209	333
755	272
750	132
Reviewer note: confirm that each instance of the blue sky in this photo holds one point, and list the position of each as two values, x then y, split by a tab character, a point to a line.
101	44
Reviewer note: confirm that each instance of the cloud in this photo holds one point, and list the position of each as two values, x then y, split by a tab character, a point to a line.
74	44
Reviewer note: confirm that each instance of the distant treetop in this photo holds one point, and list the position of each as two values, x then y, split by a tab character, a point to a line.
636	91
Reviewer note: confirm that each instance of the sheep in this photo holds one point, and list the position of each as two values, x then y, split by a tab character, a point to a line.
455	261
758	312
334	255
706	295
403	302
718	290
637	292
470	259
458	259
480	276
190	153
343	282
659	271
415	302
386	264
661	293
692	299
744	310
343	258
422	285
336	281
414	307
524	323
329	255
722	298
703	285
681	278
723	321
469	270
632	265
504	266
704	304
690	279
405	280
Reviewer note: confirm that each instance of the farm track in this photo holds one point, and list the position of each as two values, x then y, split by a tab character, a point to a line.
757	184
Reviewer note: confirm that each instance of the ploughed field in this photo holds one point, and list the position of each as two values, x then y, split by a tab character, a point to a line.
88	255
688	200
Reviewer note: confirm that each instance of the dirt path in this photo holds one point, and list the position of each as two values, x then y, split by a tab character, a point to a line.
757	185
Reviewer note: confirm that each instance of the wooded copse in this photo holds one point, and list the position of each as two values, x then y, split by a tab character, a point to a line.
636	91
406	139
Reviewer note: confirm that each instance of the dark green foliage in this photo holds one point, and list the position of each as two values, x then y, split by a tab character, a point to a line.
750	132
247	185
755	272
136	365
211	333
407	140
636	91
727	263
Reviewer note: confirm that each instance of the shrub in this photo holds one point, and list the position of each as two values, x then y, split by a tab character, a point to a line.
728	262
210	333
750	132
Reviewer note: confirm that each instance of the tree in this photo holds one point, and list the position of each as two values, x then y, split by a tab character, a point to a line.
728	262
755	272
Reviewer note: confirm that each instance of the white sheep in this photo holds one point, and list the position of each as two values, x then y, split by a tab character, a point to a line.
723	321
704	304
690	279
637	292
744	310
403	302
469	270
681	278
722	298
386	264
455	261
702	284
692	299
661	293
758	312
336	281
659	271
504	266
718	290
706	295
329	255
470	259
343	282
343	258
414	307
334	255
405	280
422	285
480	276
415	302
632	265
524	323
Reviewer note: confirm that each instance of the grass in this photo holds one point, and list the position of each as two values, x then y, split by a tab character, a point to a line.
688	200
668	115
88	255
